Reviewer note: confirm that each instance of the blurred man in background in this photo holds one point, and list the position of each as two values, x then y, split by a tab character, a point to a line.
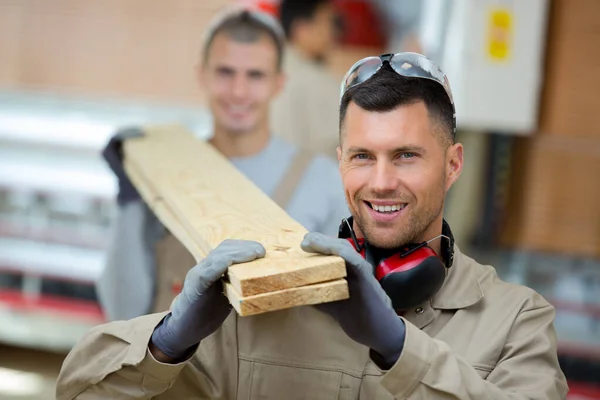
240	74
305	112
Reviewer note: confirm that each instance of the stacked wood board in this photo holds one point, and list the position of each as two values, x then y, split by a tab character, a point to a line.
203	199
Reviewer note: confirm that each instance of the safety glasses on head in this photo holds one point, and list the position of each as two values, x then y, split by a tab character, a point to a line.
412	65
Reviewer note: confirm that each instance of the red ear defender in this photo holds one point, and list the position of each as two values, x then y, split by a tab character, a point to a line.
411	276
411	279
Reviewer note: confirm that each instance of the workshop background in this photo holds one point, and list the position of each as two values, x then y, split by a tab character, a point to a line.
526	84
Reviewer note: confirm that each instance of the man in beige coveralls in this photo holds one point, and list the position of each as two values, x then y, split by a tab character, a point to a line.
477	337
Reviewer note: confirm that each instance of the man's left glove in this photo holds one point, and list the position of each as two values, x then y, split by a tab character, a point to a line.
201	307
113	154
367	316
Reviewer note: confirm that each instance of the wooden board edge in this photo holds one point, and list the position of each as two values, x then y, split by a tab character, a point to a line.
301	296
325	269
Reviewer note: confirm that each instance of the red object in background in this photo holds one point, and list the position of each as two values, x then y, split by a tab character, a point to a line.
581	391
53	305
362	26
268	6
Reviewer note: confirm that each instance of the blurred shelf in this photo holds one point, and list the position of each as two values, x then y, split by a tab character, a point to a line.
570	284
38	169
85	123
51	260
41	129
45	323
82	235
57	205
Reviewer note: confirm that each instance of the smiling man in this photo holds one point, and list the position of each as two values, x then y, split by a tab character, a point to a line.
423	320
395	184
240	75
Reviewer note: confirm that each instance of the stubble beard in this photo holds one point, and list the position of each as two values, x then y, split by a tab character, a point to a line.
412	231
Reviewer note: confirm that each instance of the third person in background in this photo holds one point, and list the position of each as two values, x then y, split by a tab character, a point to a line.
305	112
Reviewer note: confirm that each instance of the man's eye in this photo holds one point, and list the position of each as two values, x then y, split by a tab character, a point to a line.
408	155
361	156
256	75
225	72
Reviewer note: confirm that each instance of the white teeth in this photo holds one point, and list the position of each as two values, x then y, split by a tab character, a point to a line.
395	207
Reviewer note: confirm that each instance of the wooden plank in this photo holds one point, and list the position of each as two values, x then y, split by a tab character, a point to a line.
219	202
202	199
160	209
302	296
251	305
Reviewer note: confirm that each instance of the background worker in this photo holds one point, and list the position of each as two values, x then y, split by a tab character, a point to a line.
240	74
305	112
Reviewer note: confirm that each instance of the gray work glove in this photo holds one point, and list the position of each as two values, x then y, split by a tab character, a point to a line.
201	307
113	154
367	316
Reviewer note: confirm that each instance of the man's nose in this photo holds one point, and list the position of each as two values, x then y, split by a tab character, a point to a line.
240	87
384	178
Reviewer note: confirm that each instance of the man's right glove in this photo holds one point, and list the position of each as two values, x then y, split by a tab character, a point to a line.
201	308
113	154
367	316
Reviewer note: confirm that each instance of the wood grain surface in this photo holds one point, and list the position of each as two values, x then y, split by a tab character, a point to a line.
203	199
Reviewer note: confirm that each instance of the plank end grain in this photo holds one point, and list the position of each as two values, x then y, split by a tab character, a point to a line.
287	298
283	270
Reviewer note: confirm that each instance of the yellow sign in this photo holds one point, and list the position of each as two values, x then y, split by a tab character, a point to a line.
500	33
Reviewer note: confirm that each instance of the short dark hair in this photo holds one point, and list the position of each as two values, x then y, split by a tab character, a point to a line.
292	10
243	27
388	90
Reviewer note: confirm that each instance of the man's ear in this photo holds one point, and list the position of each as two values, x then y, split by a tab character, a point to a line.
454	158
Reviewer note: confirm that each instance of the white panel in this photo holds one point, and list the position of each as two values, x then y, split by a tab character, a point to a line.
495	94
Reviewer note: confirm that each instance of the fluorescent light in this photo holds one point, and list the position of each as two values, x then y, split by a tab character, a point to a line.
70	131
20	383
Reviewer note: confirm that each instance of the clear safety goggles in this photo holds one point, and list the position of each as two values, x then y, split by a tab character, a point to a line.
411	65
